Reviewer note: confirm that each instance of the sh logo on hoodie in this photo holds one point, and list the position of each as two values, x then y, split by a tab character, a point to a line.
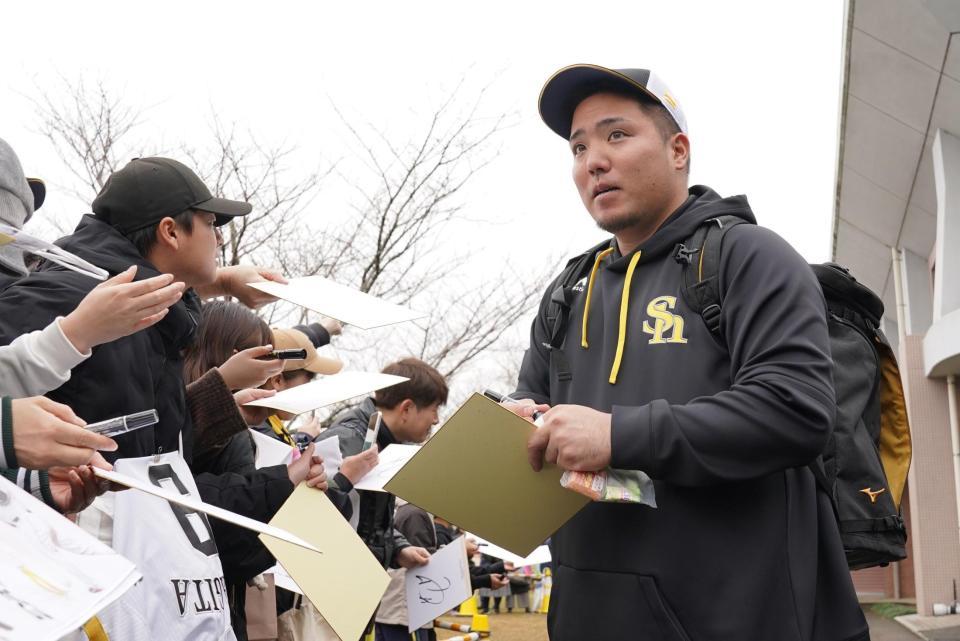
667	327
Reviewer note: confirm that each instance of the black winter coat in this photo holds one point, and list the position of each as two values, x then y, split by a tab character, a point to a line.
135	373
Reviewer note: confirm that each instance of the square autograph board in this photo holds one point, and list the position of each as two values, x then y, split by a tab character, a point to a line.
517	508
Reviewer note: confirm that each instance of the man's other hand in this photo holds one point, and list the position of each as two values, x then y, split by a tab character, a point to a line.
359	465
250	368
74	488
47	434
253	414
232	281
524	407
412	557
573	437
498	581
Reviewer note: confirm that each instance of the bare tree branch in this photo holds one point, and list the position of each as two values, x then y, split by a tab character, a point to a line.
89	127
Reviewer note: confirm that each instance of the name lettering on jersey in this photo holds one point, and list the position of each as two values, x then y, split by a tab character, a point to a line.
667	327
196	596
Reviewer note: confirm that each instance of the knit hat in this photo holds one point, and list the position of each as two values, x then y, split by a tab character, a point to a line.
17	202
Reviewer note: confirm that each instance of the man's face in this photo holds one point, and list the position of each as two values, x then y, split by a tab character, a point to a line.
197	252
280	383
623	168
417	422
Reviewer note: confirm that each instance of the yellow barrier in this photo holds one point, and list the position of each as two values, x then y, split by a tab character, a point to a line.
481	624
547	584
469	607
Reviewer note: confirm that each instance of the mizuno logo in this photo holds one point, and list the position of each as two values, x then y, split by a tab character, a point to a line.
873	494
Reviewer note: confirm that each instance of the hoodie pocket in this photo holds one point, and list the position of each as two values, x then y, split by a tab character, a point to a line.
610	605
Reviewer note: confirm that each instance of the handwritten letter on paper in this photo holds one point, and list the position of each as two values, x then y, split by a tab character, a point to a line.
439	586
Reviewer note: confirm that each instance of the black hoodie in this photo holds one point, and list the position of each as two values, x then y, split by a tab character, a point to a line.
742	545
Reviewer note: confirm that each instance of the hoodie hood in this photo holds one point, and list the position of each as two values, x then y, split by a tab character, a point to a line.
100	244
701	205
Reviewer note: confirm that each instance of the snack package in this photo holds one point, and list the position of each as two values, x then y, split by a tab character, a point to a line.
612	486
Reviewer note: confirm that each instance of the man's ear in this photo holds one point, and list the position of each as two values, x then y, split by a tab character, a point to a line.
680	148
406	405
168	234
277	382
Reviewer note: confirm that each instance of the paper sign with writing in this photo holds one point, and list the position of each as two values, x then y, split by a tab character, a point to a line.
53	575
439	586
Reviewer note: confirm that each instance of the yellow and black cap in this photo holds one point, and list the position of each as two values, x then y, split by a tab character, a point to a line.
147	190
568	87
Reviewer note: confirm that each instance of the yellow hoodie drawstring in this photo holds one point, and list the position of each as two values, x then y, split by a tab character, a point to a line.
624	309
586	304
624	304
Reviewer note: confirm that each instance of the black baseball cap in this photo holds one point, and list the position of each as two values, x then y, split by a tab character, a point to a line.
147	190
39	189
568	87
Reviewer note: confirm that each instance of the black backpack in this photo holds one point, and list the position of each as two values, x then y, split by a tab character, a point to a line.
863	468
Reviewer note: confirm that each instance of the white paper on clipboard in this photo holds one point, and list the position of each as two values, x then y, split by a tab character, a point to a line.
345	304
327	390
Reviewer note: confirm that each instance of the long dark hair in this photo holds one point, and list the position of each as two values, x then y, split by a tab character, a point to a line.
224	328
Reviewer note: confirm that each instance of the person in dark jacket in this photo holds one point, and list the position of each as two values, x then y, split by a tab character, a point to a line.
409	410
154	213
742	544
489	574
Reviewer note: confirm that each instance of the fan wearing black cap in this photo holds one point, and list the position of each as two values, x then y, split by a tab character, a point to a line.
37	433
742	544
154	213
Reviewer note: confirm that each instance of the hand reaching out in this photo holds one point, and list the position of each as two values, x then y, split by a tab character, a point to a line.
249	368
357	466
48	434
119	307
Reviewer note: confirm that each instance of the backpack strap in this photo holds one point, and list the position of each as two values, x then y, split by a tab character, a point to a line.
562	297
699	257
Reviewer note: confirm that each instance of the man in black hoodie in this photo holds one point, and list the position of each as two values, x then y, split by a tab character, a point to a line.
742	544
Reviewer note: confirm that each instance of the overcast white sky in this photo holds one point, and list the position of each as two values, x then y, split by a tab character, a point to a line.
759	82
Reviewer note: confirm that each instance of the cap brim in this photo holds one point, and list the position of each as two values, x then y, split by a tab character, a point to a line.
568	87
322	365
224	209
39	190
